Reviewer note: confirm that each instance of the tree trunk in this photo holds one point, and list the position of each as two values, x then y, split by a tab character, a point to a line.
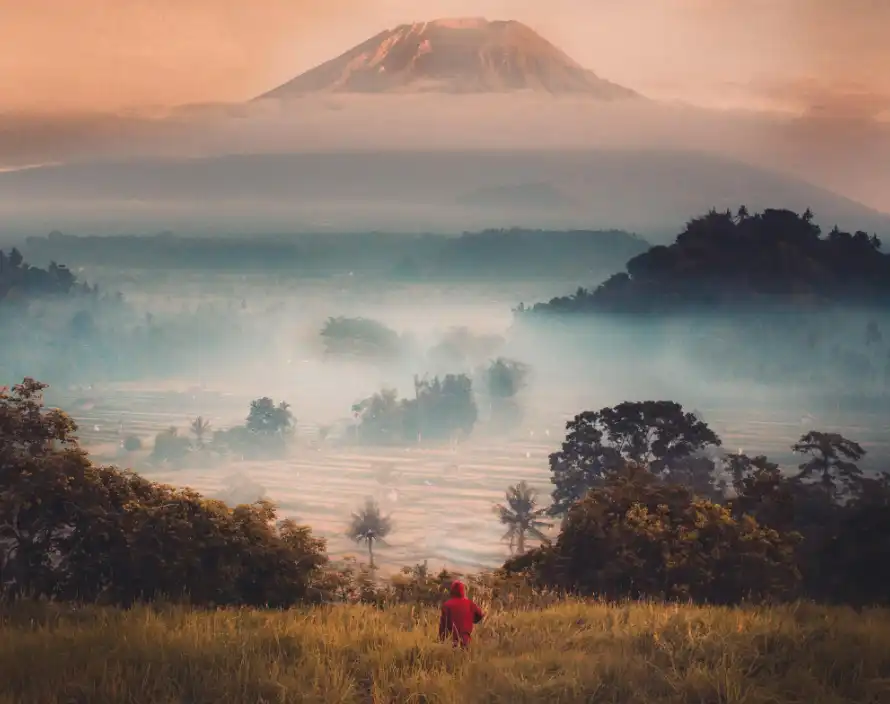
371	552
520	542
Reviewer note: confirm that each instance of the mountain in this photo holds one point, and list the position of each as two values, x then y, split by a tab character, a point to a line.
652	193
453	56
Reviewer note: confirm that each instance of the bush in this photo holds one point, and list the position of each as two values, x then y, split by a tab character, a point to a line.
638	537
132	443
170	447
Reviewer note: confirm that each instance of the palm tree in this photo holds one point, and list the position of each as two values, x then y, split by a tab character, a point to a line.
368	525
522	516
199	428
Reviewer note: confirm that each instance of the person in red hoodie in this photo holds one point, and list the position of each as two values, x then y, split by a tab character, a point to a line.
459	615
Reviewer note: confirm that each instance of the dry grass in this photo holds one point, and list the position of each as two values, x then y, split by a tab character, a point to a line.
570	652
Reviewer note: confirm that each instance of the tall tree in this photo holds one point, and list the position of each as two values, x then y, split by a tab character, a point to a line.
369	526
832	461
199	428
522	516
658	435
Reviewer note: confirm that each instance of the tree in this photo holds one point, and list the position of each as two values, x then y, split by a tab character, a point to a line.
170	446
656	434
637	537
360	337
522	516
382	418
505	378
725	262
73	530
265	418
444	407
832	461
132	443
761	491
199	428
369	526
855	560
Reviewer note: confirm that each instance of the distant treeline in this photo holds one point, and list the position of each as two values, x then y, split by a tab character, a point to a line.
512	253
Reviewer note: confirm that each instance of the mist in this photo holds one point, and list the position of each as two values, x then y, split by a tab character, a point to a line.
428	163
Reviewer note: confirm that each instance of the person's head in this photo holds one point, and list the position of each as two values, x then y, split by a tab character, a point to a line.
458	590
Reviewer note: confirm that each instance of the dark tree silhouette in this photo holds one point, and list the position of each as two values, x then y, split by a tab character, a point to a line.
657	434
636	536
72	530
832	461
369	526
727	261
522	516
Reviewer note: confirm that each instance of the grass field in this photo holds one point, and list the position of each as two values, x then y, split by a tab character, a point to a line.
571	652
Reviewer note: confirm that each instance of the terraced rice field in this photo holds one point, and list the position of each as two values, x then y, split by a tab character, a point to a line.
440	498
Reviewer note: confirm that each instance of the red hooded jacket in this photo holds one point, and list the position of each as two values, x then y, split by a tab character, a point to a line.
459	615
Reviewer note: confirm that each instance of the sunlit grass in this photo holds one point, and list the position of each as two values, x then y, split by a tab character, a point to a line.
569	652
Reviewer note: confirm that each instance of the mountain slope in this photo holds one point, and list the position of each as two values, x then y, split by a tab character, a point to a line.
652	193
453	56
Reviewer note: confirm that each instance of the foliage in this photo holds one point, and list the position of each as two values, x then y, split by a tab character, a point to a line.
360	337
264	434
170	447
132	443
21	282
268	419
522	516
505	378
460	348
199	428
444	407
637	536
369	526
657	434
73	530
384	419
832	461
441	409
731	261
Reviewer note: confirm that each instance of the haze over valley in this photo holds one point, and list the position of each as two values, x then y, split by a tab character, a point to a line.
316	318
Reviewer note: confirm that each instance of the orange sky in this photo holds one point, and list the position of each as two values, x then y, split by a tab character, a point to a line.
109	54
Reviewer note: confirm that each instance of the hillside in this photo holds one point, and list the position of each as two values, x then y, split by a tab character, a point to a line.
724	261
645	191
566	653
464	55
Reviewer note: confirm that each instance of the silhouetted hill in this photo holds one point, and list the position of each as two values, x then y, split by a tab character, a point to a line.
725	261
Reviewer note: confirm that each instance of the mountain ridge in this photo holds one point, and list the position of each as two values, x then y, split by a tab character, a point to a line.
649	192
453	55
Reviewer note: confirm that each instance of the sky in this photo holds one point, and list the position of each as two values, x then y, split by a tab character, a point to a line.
828	57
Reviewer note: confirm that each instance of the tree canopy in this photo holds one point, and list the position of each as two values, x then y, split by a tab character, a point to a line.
740	260
72	530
